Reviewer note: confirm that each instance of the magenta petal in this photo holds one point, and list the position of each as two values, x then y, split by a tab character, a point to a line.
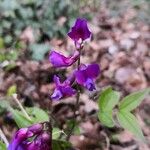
93	70
80	77
32	146
57	80
79	30
19	137
63	89
31	138
68	91
85	75
59	60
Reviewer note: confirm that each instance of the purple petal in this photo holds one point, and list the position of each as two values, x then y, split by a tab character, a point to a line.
93	71
81	77
57	81
79	30
59	60
68	91
89	84
56	95
36	128
19	137
63	89
32	146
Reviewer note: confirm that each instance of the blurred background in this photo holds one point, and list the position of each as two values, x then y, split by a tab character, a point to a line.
120	44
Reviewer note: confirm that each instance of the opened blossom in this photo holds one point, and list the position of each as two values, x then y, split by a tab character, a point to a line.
59	60
31	138
86	74
63	89
80	30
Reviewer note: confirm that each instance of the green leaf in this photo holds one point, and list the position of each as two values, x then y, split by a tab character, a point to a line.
129	122
106	118
131	101
56	133
61	145
108	99
39	51
38	115
20	119
11	90
2	146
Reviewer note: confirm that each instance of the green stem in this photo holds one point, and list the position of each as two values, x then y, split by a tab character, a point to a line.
21	107
76	106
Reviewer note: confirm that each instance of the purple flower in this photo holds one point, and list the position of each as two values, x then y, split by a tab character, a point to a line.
63	89
79	30
19	137
85	75
59	60
40	143
31	138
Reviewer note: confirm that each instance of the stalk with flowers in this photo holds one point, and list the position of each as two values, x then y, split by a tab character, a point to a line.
39	136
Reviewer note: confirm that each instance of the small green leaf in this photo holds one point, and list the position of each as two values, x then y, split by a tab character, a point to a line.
2	146
106	118
56	133
108	99
11	90
61	145
38	115
20	119
129	122
131	101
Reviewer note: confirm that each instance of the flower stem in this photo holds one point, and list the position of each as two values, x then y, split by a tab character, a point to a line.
21	107
76	106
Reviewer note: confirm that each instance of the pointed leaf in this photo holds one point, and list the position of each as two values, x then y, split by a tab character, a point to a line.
108	99
20	119
106	118
38	115
131	101
129	122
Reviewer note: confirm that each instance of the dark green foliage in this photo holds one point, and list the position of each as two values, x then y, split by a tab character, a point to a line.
42	15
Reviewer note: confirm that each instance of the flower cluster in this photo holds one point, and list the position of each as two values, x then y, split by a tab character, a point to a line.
31	138
85	74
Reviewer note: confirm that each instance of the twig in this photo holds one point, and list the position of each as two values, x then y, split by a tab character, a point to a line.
21	107
3	137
